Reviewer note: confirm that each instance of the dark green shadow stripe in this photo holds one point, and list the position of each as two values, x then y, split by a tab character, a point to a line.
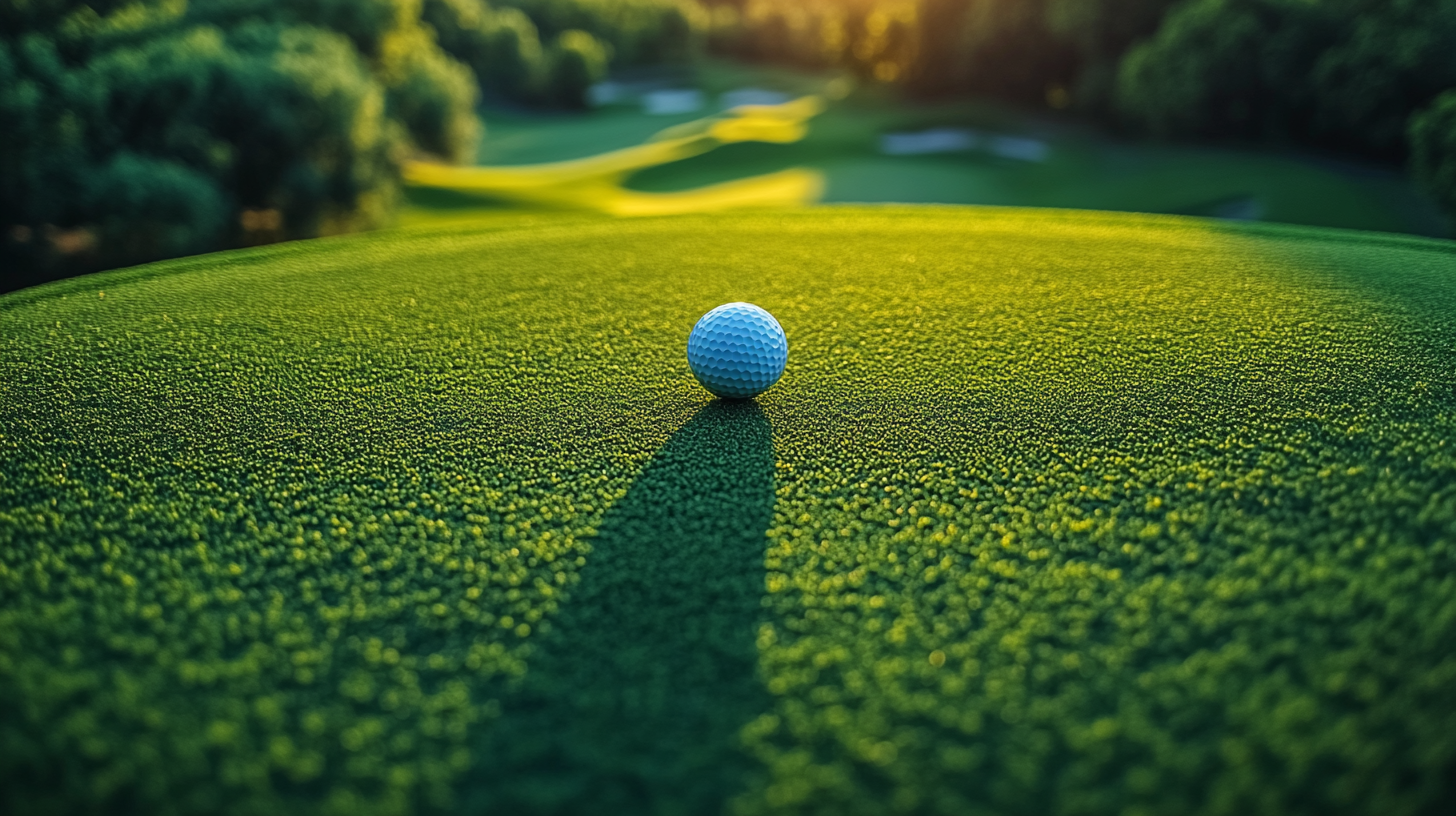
634	699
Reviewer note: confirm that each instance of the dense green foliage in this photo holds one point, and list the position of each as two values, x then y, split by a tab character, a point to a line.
1433	149
1006	49
1341	73
1055	513
430	94
875	39
142	130
168	128
574	62
1013	49
637	32
1102	32
504	45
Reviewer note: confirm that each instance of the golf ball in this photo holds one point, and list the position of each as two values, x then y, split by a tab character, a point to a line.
737	350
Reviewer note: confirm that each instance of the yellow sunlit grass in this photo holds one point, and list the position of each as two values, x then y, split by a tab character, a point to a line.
792	187
595	183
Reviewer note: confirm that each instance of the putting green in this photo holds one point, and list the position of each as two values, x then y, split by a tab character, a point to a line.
1052	512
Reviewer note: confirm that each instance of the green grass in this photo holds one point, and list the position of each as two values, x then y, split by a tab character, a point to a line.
1052	513
1086	169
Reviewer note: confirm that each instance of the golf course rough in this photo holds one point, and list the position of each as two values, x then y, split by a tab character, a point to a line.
1061	513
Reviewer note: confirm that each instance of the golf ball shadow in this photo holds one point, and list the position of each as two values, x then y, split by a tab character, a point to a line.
737	351
633	702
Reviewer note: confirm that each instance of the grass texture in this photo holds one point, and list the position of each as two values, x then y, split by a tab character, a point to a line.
1051	513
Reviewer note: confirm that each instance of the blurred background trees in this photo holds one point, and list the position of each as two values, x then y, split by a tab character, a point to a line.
1433	149
132	130
145	129
1341	74
1345	76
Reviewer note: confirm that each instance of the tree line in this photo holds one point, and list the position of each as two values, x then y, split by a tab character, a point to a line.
1374	79
134	130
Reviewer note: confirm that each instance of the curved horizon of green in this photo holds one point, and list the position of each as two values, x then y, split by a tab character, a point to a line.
1052	512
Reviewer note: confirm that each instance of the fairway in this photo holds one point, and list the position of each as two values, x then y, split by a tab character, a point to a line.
1051	513
1084	168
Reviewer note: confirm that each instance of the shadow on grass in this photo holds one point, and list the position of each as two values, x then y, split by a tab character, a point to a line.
633	701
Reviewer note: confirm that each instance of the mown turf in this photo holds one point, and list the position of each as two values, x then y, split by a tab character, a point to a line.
1050	513
1083	170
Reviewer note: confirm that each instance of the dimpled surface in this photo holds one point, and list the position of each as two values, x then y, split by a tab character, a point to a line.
738	350
1056	514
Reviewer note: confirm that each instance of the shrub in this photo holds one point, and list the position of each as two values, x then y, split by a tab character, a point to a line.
574	62
1008	49
637	32
1391	58
158	129
1102	31
1343	74
152	208
1433	150
1229	68
433	96
500	45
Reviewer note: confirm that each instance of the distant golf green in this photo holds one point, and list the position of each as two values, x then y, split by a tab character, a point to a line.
1080	167
1051	513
